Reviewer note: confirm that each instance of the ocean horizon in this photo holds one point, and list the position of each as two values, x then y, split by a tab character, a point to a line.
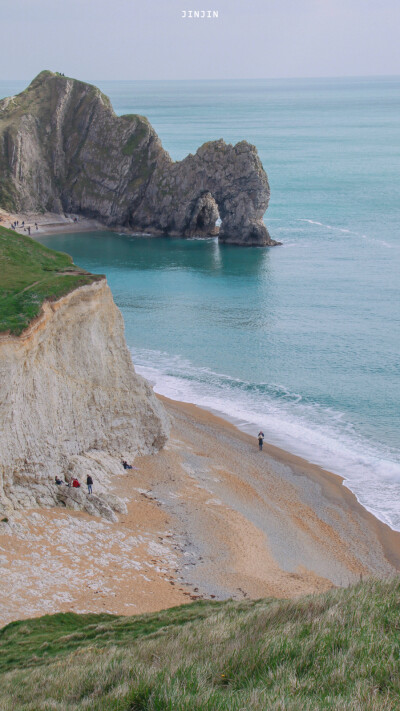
301	340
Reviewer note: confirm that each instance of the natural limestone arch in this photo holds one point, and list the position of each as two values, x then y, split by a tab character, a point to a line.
63	149
220	180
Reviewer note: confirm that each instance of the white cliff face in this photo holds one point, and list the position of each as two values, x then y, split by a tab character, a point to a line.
70	400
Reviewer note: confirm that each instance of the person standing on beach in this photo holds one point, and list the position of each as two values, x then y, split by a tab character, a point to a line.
260	440
89	482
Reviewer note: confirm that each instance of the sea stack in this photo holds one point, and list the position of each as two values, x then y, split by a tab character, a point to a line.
64	150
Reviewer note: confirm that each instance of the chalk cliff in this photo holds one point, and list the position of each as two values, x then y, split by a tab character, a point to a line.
72	404
63	149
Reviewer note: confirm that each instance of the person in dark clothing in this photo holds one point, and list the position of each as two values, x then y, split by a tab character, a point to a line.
260	440
126	465
57	480
89	482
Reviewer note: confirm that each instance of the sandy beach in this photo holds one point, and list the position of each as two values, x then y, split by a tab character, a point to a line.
208	516
48	223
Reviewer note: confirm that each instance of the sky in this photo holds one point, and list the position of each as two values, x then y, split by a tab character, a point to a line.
150	39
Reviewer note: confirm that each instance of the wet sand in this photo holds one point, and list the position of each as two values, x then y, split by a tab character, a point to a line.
209	516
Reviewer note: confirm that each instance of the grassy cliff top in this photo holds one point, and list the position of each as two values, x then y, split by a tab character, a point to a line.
337	651
31	274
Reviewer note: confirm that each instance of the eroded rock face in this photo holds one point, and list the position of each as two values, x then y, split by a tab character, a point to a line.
71	402
63	149
94	504
186	197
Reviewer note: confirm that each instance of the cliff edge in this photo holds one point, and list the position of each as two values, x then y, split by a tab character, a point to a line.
71	403
63	149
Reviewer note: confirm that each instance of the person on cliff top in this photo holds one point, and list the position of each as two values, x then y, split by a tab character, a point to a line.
126	465
57	480
260	440
75	483
89	482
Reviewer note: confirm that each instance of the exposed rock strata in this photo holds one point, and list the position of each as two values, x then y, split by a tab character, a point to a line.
71	403
63	149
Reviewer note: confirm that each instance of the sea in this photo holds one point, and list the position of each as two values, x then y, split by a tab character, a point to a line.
301	340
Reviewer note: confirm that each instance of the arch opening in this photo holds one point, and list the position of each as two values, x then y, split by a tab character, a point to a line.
205	217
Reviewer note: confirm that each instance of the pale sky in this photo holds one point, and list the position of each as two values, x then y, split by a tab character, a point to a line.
149	39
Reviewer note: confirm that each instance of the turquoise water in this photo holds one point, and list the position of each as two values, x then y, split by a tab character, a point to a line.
301	340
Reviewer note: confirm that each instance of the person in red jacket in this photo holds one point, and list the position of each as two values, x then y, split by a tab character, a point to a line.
75	483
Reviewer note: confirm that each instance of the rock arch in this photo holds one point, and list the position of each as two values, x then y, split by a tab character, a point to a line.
204	217
220	180
63	149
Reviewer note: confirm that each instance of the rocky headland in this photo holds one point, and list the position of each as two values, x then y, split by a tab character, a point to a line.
64	150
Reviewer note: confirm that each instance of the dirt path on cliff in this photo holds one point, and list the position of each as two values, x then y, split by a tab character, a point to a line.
208	516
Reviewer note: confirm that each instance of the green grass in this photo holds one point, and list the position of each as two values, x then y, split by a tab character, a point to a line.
336	651
31	274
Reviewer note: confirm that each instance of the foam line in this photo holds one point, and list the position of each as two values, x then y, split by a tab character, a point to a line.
319	434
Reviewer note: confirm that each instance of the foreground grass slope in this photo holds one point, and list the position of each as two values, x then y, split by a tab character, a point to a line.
340	650
31	274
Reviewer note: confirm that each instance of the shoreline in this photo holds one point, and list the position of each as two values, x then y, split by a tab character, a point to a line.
284	452
208	517
333	485
289	447
54	223
50	223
